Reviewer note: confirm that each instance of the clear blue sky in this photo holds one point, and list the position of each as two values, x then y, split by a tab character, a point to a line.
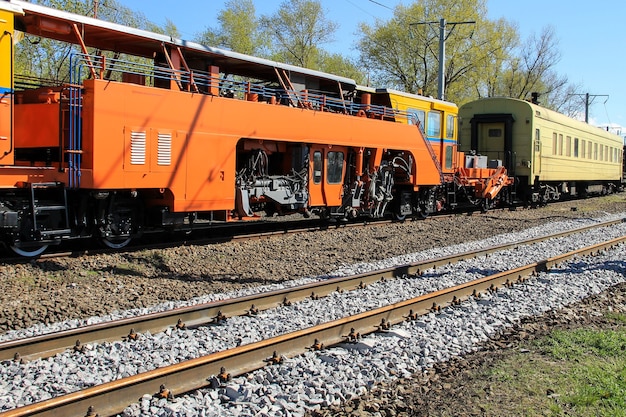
591	37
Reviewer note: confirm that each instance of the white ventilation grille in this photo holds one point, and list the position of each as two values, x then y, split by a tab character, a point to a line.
137	148
164	149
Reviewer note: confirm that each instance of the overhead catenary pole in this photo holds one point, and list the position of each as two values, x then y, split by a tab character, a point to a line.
441	87
587	96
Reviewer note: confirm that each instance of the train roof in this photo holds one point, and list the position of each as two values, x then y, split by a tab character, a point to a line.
502	105
415	96
96	33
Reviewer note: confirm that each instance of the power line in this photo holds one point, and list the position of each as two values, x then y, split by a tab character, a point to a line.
381	5
360	8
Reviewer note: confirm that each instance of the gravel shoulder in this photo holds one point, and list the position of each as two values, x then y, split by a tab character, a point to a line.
48	291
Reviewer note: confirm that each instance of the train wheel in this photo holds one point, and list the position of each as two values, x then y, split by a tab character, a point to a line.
30	251
115	242
399	217
120	221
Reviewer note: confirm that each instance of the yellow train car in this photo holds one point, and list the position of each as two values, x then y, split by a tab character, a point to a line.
549	153
437	120
7	34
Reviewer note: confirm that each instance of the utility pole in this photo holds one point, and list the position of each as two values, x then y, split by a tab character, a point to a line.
442	49
588	103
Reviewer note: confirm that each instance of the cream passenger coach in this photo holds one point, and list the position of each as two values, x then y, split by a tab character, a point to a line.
547	152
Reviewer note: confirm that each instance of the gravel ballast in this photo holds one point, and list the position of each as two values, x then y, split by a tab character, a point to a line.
81	374
150	265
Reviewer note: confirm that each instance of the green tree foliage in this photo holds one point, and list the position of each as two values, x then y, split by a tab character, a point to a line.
483	59
238	30
46	59
404	52
298	30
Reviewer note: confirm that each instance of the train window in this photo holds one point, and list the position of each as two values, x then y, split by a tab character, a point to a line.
417	117
450	125
495	133
448	157
601	152
606	152
317	167
568	146
560	144
595	151
433	125
575	147
583	149
554	144
334	167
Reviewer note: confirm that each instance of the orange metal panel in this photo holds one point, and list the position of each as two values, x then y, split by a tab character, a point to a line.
36	125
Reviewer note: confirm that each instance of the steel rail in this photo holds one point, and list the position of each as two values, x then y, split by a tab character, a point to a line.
113	397
204	314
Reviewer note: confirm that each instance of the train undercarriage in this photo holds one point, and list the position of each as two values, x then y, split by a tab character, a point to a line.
36	216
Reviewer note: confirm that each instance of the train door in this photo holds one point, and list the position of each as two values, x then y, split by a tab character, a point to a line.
492	135
326	175
491	140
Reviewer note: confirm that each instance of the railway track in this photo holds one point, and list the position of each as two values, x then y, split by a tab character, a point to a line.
204	314
193	374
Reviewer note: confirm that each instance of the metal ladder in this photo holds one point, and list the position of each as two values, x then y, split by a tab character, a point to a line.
47	197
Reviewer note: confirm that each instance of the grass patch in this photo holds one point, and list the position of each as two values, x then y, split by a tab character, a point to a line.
568	373
595	361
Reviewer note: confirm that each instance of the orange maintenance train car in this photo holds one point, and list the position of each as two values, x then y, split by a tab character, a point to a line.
153	132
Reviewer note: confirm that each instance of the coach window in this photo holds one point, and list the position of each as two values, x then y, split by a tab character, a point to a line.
448	157
611	149
601	152
554	144
417	117
595	151
575	147
450	126
317	167
335	167
433	125
568	146
589	150
583	146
